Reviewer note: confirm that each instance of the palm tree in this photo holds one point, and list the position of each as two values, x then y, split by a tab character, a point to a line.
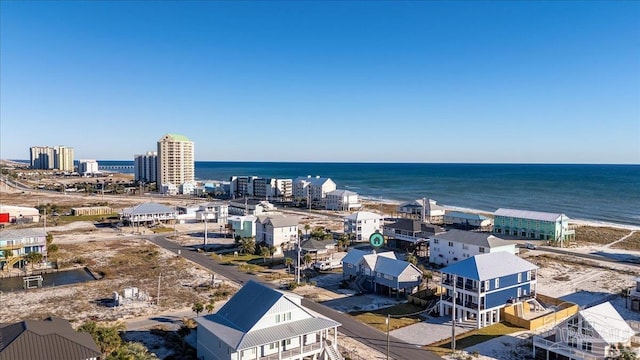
288	262
412	259
7	253
426	274
210	306
265	253
197	307
247	246
306	229
33	257
106	337
343	241
272	251
132	350
307	259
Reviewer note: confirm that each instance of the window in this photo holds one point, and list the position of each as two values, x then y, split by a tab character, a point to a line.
519	277
586	346
481	250
465	247
497	283
435	241
450	243
273	346
528	275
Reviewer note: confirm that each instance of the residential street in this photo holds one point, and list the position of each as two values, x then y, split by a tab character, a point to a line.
350	327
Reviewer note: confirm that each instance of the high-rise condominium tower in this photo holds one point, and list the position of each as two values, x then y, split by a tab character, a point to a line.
175	160
45	157
146	167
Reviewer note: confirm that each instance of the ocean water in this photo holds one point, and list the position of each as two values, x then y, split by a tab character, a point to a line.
606	193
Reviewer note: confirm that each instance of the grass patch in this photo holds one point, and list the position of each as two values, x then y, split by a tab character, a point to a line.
473	337
161	230
630	243
598	235
378	318
240	258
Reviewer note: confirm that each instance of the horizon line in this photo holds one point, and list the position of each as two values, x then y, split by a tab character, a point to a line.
370	162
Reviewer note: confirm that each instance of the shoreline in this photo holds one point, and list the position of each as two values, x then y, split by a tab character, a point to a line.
581	222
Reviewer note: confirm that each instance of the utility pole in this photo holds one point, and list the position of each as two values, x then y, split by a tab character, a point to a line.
206	231
45	220
453	316
158	298
388	324
298	266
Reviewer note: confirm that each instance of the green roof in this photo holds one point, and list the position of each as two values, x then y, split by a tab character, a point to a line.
177	137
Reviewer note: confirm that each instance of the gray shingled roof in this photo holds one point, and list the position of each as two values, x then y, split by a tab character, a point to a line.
526	214
472	238
414	226
14	234
314	244
489	266
278	221
148	208
51	339
234	321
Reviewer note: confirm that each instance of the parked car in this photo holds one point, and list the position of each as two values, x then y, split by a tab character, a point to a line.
530	246
328	264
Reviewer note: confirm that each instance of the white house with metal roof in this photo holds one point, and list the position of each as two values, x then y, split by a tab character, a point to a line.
409	231
423	210
456	245
260	323
360	225
484	284
598	332
342	200
148	213
532	225
276	230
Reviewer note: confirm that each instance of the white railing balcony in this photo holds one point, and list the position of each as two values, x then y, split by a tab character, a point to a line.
286	354
562	349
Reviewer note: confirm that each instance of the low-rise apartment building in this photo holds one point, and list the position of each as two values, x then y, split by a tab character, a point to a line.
342	200
533	225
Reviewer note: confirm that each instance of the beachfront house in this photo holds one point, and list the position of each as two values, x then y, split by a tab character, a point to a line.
360	225
456	245
243	226
148	214
16	243
216	212
424	209
52	338
277	230
597	333
484	284
381	272
409	233
246	206
312	189
342	200
259	322
533	225
466	221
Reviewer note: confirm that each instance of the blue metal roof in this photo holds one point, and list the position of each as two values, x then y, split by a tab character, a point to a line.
489	266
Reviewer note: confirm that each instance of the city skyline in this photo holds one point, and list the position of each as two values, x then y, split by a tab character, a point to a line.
424	82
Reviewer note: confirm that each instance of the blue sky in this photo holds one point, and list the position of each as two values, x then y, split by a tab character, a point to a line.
542	82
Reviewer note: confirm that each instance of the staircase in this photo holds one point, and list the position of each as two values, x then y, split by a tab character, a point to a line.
330	353
11	261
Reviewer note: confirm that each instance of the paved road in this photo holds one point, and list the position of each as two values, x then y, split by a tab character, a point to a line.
585	256
350	327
